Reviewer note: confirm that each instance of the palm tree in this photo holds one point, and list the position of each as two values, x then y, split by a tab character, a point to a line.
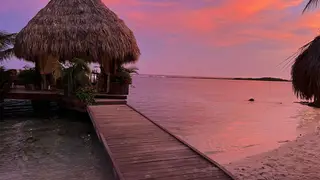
310	4
306	67
6	45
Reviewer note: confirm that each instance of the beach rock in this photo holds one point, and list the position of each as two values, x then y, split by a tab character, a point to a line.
251	99
31	139
62	132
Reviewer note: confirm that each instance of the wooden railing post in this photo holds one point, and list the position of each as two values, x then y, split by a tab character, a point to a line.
1	105
108	83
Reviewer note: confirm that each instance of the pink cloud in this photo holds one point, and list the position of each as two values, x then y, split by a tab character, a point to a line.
226	22
173	27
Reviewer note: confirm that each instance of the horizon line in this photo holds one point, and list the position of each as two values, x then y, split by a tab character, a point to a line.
216	77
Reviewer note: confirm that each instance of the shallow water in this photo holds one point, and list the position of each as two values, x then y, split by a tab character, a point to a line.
56	148
216	117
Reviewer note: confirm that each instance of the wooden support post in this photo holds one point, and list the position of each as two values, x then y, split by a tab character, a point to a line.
1	108
43	82
5	89
112	70
38	83
108	83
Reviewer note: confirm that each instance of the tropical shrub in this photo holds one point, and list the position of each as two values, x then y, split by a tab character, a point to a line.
27	76
76	75
86	94
124	75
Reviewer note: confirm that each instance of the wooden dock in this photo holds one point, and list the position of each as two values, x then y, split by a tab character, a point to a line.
140	149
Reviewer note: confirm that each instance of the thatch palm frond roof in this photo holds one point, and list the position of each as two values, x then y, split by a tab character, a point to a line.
77	28
305	71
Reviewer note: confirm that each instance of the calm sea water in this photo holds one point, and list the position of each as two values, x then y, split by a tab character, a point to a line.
216	117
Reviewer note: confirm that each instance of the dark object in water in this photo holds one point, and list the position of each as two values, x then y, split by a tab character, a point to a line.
31	139
251	100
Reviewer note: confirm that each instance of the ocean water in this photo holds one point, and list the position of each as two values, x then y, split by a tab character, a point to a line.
216	117
60	147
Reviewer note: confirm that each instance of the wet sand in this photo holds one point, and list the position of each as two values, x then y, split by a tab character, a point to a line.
55	148
296	160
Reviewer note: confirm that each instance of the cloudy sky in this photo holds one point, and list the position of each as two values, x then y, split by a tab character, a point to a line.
224	38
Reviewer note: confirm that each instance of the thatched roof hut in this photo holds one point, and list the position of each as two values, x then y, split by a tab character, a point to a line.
305	72
86	29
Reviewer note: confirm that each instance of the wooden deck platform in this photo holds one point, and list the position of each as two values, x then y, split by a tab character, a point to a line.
110	101
21	93
141	149
55	95
110	96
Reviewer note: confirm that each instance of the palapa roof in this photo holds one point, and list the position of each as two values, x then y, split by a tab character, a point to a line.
77	28
305	71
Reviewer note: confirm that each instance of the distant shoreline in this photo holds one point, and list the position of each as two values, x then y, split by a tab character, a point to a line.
222	78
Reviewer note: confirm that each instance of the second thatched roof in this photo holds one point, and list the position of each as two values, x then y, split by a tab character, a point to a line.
77	28
305	71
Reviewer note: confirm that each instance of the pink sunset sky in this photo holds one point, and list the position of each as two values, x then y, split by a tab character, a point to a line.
224	38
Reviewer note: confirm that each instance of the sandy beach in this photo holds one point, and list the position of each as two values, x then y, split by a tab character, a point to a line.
296	160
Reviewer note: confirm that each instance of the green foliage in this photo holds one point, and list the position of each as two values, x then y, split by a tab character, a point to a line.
310	4
4	75
122	78
5	80
76	79
86	95
124	75
76	75
27	76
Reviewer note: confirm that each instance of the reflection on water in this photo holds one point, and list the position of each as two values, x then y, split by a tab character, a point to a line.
216	117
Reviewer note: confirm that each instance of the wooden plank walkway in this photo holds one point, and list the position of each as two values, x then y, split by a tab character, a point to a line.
140	149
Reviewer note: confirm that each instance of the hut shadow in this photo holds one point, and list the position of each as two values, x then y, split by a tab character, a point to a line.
310	104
